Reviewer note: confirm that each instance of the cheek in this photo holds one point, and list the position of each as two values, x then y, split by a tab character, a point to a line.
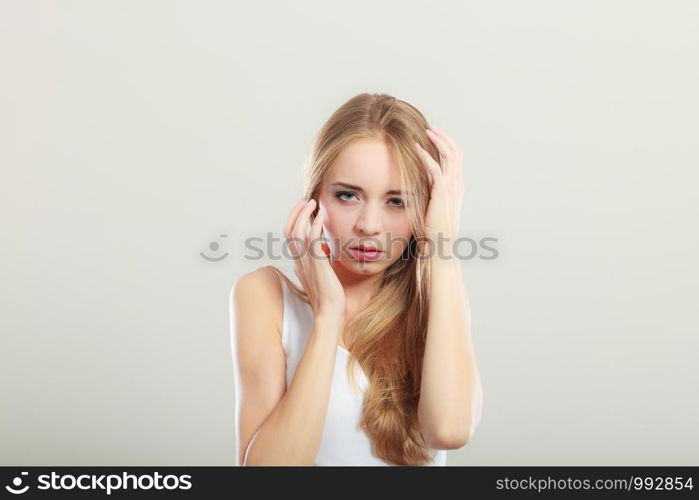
400	235
400	226
398	244
338	222
337	227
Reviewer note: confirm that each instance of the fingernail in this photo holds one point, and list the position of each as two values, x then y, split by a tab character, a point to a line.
310	202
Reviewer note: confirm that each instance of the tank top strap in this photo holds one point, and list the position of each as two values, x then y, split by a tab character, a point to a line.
297	315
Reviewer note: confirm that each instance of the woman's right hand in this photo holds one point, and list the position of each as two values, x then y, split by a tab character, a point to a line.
311	263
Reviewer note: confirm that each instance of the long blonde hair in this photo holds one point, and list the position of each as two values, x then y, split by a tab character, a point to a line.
387	337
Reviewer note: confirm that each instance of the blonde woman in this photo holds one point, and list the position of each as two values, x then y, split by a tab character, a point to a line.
359	352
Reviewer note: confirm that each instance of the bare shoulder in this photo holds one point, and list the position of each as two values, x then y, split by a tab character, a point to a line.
258	354
258	294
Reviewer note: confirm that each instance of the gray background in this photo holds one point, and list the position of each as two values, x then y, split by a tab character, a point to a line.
136	133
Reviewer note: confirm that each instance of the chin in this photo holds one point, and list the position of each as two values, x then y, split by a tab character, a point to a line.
364	267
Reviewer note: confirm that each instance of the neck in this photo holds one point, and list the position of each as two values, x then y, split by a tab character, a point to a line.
358	287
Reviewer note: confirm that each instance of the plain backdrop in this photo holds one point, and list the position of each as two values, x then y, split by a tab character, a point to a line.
136	134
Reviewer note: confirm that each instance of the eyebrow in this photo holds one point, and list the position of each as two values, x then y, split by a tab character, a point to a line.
357	188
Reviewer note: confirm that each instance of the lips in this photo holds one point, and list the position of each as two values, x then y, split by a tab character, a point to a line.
366	248
366	252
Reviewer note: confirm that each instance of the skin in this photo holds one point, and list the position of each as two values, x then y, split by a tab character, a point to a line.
367	216
283	426
451	400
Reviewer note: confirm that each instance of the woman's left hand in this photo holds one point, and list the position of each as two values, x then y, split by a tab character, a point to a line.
447	192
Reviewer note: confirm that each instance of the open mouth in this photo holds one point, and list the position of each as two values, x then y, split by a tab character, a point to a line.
366	253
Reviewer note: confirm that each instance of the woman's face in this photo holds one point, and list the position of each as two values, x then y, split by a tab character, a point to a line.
364	206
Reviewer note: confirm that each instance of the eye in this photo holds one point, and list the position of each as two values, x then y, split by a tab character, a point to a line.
400	202
339	194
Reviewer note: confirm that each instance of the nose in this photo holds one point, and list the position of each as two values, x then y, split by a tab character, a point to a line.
369	222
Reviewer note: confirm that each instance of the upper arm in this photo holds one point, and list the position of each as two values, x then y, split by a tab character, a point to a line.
258	355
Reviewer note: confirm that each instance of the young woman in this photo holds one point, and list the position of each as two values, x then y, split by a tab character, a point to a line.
372	295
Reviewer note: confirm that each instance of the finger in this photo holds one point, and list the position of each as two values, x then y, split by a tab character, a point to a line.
443	159
314	236
291	243
428	161
455	147
457	167
299	231
438	183
452	159
444	147
292	216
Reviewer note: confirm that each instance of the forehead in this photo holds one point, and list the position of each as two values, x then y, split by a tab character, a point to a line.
366	163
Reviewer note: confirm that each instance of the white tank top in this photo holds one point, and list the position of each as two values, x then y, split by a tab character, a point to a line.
343	442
